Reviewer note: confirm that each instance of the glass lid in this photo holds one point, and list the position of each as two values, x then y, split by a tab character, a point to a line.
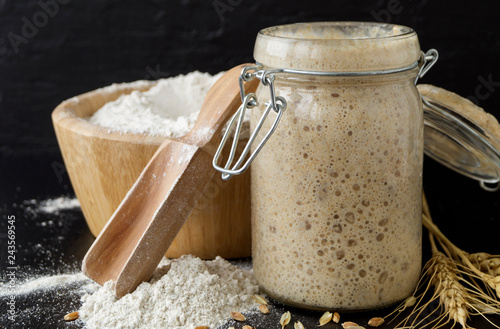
461	136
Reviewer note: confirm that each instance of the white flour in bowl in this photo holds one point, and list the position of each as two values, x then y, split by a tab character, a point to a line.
183	294
168	109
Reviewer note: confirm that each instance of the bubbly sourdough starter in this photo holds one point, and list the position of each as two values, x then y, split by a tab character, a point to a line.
336	193
336	199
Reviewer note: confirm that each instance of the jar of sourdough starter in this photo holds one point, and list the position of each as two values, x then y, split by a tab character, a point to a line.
337	189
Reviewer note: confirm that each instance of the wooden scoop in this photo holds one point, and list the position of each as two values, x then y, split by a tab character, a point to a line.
146	222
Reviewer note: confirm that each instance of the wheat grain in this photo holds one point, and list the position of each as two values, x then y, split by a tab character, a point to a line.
336	317
375	322
285	319
493	282
410	301
298	325
485	262
325	318
478	257
238	316
263	309
259	299
71	316
484	308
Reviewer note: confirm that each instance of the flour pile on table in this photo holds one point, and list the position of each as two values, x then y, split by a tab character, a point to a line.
183	294
168	109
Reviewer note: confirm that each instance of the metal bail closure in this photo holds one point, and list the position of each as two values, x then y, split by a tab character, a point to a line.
277	104
427	61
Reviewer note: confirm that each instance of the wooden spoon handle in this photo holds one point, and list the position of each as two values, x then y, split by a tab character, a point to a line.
148	219
187	178
144	225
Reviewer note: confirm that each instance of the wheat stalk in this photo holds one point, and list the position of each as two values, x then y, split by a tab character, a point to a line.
452	295
453	274
493	281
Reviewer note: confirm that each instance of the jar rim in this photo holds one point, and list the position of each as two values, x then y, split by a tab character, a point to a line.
394	31
337	46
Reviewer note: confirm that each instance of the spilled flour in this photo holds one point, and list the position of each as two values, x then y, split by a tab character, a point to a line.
51	206
41	300
183	294
168	109
47	283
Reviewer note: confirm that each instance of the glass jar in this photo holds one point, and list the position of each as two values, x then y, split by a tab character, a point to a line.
337	191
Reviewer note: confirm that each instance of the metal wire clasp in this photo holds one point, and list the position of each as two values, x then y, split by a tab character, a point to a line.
277	104
426	62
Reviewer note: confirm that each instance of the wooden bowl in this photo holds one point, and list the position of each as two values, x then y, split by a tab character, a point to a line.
103	166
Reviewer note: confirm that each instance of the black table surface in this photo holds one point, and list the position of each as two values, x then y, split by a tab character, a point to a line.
56	243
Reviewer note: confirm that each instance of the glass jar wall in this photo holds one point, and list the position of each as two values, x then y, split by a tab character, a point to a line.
336	191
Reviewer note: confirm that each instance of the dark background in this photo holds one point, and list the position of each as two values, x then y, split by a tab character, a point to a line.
52	50
91	44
